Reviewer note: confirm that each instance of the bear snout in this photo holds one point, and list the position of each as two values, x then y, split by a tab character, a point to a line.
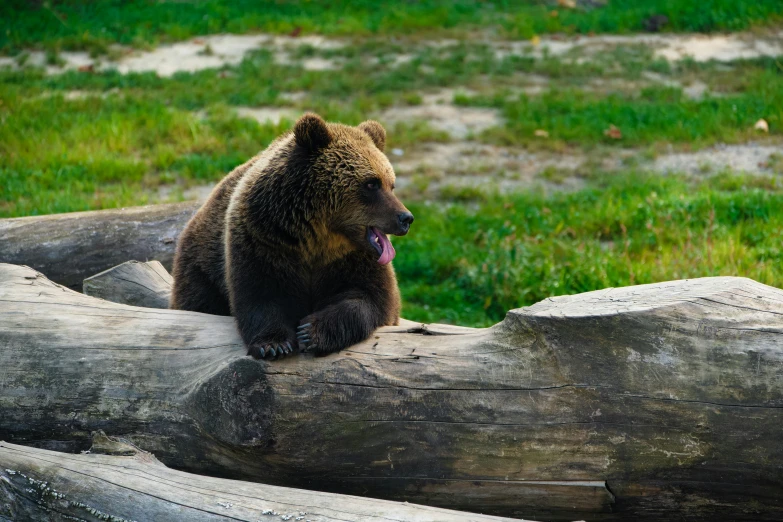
404	221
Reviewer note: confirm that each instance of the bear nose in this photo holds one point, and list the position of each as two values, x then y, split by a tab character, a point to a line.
405	219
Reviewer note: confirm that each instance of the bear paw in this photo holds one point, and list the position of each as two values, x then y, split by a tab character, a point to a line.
261	350
320	334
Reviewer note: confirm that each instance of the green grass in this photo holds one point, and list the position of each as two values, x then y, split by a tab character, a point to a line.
648	115
657	114
140	131
144	131
61	156
95	25
514	250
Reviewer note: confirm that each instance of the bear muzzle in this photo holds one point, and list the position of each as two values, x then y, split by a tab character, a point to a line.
404	222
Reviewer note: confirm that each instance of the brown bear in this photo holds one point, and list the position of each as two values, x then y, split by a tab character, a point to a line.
294	242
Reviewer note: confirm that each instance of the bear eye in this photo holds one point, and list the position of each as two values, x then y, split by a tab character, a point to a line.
373	184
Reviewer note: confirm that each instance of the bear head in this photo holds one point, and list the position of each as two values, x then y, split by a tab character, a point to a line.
352	174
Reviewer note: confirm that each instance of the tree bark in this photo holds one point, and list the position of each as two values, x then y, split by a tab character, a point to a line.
69	247
46	486
649	402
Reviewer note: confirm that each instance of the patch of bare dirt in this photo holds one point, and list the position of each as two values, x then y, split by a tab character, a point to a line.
724	48
167	193
749	158
269	114
438	111
78	95
293	97
434	166
207	52
309	64
218	50
464	157
694	90
672	47
69	61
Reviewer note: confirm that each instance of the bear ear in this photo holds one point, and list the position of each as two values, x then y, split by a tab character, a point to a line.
311	132
376	131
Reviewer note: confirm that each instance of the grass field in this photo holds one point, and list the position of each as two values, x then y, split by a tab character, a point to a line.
93	139
133	133
503	252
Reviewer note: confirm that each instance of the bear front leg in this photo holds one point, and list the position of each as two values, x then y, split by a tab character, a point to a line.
265	316
338	326
265	331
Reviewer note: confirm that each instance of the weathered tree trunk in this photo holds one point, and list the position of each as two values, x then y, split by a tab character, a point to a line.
650	402
47	486
69	247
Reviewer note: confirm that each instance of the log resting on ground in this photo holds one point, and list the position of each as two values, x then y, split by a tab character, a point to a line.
70	247
129	484
648	403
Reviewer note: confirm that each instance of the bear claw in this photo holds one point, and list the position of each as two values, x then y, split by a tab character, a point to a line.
303	337
270	351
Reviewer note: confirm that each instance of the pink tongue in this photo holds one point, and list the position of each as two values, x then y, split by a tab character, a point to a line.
388	250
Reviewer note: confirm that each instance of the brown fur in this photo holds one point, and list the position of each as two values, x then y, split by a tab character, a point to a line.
282	242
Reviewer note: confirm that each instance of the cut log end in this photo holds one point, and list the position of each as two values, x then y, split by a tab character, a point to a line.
133	282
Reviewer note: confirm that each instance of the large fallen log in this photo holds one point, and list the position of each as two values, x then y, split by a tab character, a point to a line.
47	486
650	402
70	247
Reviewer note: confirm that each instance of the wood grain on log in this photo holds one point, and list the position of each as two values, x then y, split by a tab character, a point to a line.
70	247
648	402
45	486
